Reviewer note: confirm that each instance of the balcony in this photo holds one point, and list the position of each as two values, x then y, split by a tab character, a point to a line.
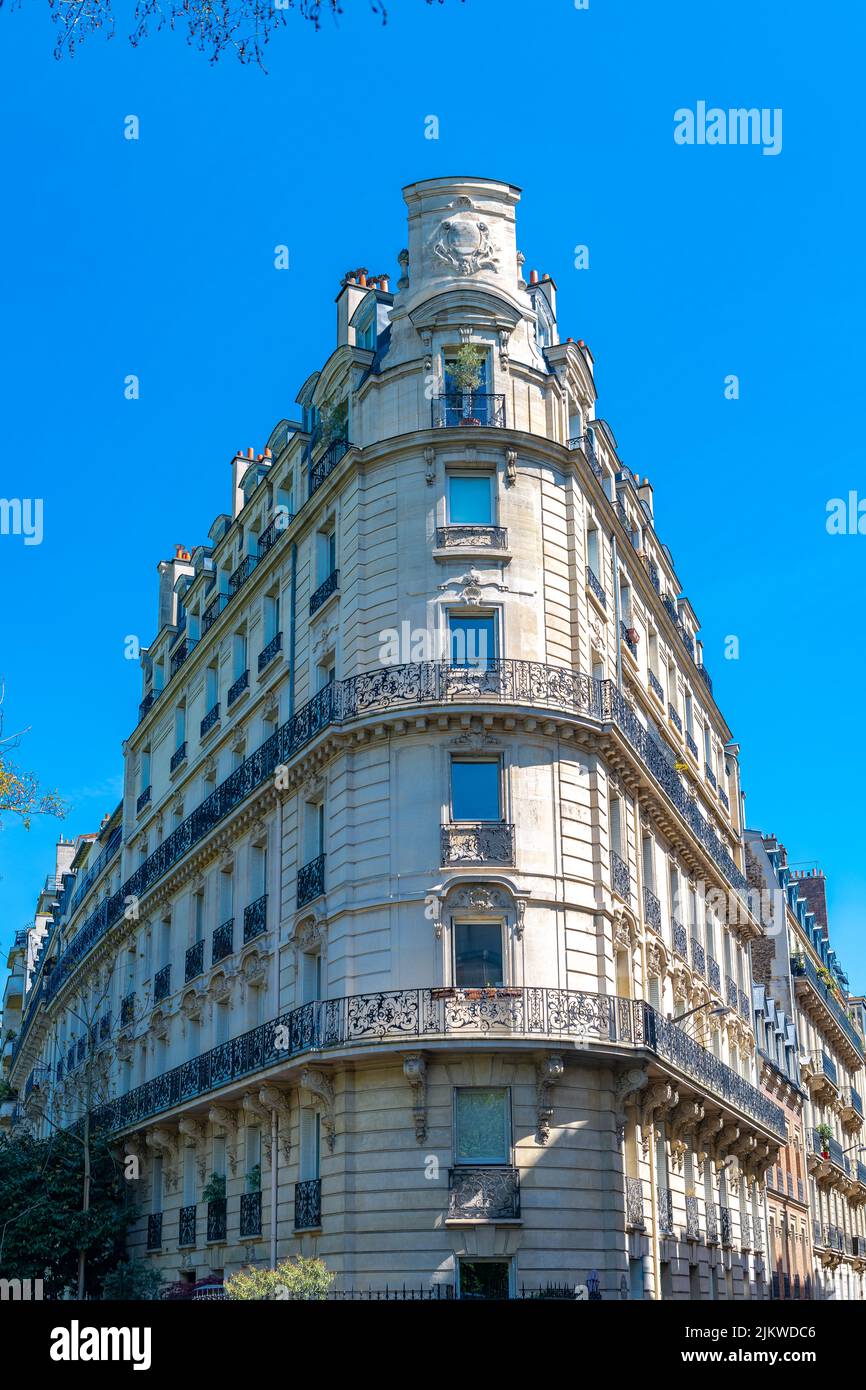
489	842
154	1231
821	1078
239	577
178	757
693	1229
652	909
680	939
105	1026
466	537
726	1226
216	1219
237	689
311	881
712	1224
699	959
267	654
691	745
595	586
732	994
328	587
326	463
745	1232
620	876
655	685
710	776
143	800
745	1007
413	1016
194	961
127	1009
212	612
147	703
273	531
634	1216
251	1214
665	1201
308	1205
186	1232
714	974
820	998
255	918
675	719
180	654
587	444
483	1194
211	719
223	941
629	637
852	1109
458	409
162	984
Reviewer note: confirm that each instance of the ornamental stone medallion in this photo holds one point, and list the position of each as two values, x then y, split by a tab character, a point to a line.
464	243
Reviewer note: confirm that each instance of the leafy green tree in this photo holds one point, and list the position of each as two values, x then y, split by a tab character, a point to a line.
20	792
296	1278
43	1228
132	1281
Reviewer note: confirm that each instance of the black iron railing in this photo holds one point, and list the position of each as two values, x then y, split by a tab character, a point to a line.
180	654
691	745
714	974
216	1219
328	587
239	577
665	1201
699	959
652	909
127	1008
634	1203
326	463
488	842
693	1227
587	444
223	941
803	968
675	719
627	637
194	961
308	1204
251	1214
620	875
710	775
146	704
726	1226
655	685
211	718
154	1231
469	408
186	1232
237	689
267	654
255	918
471	536
596	586
162	984
143	799
178	757
212	612
272	532
680	938
311	880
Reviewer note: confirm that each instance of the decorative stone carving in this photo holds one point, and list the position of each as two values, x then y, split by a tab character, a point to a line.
629	1084
510	467
463	242
275	1099
224	1118
659	1100
415	1072
520	923
547	1073
481	897
504	340
403	262
252	1105
707	1137
623	930
316	1081
195	1130
471	592
430	466
164	1142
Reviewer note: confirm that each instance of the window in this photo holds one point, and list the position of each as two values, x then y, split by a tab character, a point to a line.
365	329
144	775
482	1125
156	1193
212	687
326	673
470	500
451	386
478	955
475	790
253	1158
221	1022
327	553
272	616
311	976
690	714
193	1034
575	421
226	895
472	638
593	552
616	825
239	654
649	874
189	1184
219	1155
311	1145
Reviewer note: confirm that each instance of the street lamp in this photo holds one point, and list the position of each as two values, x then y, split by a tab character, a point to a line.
714	1009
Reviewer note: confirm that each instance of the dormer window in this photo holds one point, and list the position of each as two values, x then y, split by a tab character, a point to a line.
365	330
543	322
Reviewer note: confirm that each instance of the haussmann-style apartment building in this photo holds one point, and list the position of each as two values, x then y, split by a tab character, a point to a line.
421	938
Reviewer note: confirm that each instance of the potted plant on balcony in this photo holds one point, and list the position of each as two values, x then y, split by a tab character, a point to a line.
215	1189
465	372
254	1178
825	1134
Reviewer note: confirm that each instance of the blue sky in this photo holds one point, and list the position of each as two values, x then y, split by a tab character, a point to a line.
155	257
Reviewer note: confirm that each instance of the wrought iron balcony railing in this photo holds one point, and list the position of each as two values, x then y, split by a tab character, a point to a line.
693	1227
691	745
726	1226
828	1066
239	577
802	968
186	1232
420	1014
699	959
714	974
680	939
154	1231
655	685
212	612
501	681
217	1219
711	1224
146	704
634	1203
211	718
308	1204
483	1194
178	757
851	1101
267	654
731	993
255	918
626	634
194	961
675	719
105	1026
665	1201
272	532
223	941
587	444
469	408
745	1007
251	1214
162	984
596	586
328	587
127	1008
326	463
180	654
710	775
620	876
472	537
652	909
237	689
143	799
488	842
745	1232
311	881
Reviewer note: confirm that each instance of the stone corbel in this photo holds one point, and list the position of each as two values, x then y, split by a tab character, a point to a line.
726	1143
415	1072
277	1100
134	1146
317	1082
685	1120
504	340
224	1118
707	1137
659	1099
426	336
510	467
430	465
627	1089
195	1130
547	1073
164	1142
520	919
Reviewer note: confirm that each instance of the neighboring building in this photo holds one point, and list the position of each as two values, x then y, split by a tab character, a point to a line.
795	964
430	835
